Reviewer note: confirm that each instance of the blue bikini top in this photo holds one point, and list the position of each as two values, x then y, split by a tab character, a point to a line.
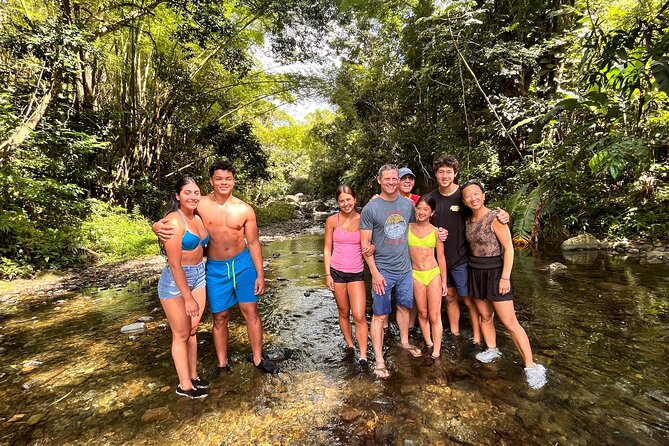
190	241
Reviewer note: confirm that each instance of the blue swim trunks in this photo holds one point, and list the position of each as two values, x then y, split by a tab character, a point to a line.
231	281
403	284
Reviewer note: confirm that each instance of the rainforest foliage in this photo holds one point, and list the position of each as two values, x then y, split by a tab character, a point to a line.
560	107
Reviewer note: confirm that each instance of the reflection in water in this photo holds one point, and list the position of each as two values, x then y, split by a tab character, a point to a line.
601	328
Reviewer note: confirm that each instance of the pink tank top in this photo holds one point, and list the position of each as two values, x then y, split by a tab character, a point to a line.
346	250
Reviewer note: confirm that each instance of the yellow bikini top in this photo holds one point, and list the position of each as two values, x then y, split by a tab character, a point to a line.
429	241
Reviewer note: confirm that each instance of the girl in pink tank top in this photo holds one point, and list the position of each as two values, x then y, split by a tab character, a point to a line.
344	271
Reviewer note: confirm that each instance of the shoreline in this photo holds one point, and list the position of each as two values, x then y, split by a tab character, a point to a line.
52	284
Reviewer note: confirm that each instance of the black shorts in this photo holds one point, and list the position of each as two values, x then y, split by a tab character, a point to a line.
342	277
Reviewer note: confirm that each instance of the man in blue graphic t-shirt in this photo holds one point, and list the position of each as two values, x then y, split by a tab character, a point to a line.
385	223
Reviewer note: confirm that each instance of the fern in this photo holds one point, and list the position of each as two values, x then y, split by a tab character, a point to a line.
524	226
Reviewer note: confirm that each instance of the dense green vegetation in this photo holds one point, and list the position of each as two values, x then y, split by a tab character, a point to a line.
561	107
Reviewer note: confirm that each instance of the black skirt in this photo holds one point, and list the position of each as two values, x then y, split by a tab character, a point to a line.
484	276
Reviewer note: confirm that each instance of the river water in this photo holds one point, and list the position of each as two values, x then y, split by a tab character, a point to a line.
601	328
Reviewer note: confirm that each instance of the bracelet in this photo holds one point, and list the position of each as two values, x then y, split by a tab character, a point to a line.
327	275
505	278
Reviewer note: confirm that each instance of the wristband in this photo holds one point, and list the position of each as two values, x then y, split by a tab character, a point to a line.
505	278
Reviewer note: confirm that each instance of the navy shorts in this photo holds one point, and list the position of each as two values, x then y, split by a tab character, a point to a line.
403	284
167	288
458	278
342	277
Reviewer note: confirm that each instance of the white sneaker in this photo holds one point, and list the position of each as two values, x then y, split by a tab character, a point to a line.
489	355
536	376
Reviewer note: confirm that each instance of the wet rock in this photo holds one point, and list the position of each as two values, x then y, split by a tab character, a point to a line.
655	255
26	385
307	293
17	417
2	350
132	338
34	419
556	266
645	248
633	251
137	327
31	365
314	276
281	279
351	414
145	319
155	310
156	414
580	242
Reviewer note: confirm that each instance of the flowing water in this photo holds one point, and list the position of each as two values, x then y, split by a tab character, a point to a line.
601	327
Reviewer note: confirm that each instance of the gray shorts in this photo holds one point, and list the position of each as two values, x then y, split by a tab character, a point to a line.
195	277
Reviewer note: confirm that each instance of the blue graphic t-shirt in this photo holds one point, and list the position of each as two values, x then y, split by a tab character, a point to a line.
389	223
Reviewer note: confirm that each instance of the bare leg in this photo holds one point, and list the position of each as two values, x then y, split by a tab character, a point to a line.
453	311
507	315
413	314
358	300
474	316
180	325
377	338
253	328
487	314
434	311
200	297
402	318
220	335
344	309
420	306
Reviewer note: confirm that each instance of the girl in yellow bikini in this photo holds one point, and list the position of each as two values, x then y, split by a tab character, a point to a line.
429	276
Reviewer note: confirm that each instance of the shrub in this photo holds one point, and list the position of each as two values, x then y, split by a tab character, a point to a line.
274	212
114	234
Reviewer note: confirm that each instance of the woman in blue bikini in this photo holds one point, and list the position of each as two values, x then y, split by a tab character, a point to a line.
181	287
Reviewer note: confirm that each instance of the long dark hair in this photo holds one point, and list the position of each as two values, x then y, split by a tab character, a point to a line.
344	189
173	203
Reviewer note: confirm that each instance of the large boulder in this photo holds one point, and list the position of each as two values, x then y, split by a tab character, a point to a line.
580	242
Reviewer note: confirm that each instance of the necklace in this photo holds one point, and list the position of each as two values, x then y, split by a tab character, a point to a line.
213	196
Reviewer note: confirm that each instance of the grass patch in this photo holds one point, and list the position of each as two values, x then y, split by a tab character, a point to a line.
116	235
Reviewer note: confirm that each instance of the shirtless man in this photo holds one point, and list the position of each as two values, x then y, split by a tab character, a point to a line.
234	267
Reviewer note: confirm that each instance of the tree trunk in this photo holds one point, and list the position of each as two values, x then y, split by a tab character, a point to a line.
20	134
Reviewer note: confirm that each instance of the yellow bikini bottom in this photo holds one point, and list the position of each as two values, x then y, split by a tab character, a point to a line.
425	277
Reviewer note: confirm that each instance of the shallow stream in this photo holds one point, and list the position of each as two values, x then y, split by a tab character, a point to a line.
601	327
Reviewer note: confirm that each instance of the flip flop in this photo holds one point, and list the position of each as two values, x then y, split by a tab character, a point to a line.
381	372
412	349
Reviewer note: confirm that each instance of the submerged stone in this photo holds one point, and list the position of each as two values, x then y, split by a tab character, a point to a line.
137	327
157	414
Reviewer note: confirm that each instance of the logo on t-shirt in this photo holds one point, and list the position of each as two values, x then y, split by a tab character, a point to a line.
395	226
455	208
